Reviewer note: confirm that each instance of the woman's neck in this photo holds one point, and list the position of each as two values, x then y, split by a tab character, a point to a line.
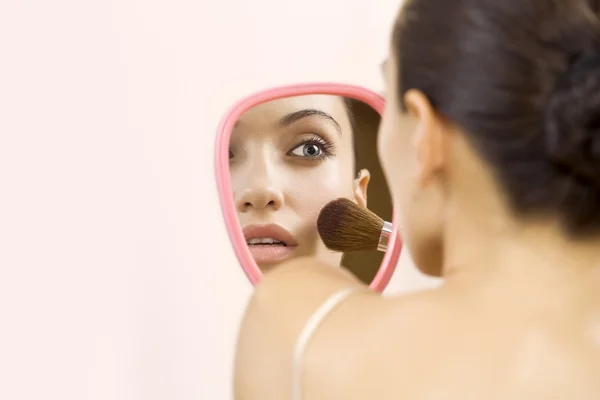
484	240
495	248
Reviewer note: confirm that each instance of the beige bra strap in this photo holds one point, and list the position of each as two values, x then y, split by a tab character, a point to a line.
307	332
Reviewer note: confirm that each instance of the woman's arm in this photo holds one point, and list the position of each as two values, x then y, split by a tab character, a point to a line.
278	309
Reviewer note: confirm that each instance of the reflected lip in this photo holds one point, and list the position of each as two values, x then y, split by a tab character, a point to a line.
273	231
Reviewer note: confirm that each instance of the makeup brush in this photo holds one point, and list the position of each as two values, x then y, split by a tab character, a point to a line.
345	226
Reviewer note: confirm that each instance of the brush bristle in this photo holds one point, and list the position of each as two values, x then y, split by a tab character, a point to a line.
345	226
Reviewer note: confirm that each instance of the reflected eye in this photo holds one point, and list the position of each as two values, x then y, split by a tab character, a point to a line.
314	148
310	150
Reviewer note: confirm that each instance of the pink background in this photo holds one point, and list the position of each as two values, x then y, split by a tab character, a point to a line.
117	278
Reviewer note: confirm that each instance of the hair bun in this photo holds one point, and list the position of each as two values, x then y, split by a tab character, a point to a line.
572	120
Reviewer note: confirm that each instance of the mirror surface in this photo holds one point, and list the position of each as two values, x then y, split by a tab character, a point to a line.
288	158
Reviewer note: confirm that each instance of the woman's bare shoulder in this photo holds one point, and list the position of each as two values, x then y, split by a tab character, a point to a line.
280	307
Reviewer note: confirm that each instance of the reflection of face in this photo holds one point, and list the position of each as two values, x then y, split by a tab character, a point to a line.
288	158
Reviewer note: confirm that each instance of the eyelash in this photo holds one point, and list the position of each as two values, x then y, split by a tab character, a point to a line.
327	147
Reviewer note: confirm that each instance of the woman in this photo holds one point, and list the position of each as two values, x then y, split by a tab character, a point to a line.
491	145
288	158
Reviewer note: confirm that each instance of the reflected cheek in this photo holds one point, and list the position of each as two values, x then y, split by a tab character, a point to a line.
237	180
310	191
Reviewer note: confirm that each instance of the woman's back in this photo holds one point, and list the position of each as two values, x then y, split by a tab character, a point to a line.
473	338
450	345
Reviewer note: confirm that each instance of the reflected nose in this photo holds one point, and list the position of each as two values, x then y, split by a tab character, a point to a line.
260	198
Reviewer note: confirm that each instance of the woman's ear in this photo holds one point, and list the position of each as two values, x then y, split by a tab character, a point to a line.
361	184
429	135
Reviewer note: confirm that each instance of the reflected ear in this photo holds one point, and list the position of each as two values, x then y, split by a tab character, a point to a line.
429	135
361	184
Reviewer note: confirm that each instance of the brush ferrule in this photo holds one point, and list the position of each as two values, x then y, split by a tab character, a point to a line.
386	232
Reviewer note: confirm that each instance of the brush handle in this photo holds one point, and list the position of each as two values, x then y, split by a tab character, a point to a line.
386	232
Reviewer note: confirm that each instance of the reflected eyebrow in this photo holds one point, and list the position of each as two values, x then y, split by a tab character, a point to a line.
309	112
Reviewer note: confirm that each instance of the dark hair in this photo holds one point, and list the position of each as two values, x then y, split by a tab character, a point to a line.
522	78
349	106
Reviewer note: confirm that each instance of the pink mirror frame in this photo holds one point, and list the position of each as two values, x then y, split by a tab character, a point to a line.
236	236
